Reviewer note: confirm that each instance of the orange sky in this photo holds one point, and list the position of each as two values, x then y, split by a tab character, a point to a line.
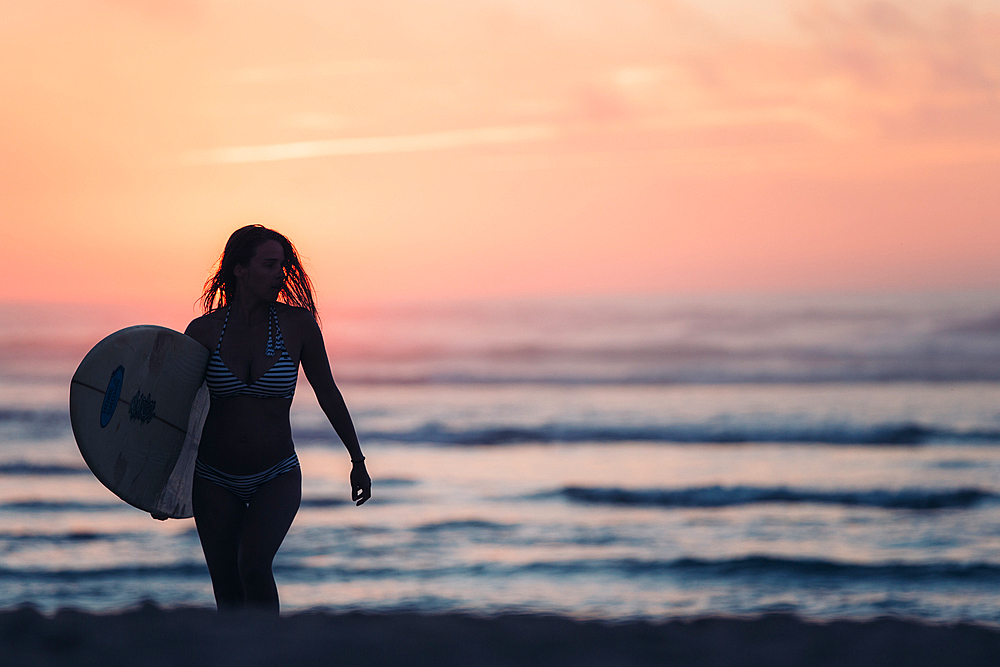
455	148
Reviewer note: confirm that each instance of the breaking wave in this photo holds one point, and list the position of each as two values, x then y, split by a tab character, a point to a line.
905	433
721	496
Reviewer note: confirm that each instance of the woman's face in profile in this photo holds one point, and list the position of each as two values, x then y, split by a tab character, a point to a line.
265	275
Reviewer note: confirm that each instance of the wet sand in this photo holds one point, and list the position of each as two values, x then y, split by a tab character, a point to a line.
150	636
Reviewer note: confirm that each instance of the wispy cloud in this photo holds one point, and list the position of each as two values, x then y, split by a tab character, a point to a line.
411	143
627	73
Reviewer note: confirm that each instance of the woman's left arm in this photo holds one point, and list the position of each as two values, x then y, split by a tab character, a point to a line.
316	365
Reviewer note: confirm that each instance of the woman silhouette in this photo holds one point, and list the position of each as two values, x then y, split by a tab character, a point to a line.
260	324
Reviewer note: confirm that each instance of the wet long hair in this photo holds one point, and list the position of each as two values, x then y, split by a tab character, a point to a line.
220	288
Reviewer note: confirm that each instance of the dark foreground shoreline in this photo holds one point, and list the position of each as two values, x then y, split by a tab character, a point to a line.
152	637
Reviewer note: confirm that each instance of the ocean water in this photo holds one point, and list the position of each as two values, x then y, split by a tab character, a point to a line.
642	457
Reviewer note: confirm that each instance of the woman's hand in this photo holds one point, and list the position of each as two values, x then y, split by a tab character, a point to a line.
361	483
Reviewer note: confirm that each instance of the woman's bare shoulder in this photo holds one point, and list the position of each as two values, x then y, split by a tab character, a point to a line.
203	329
295	315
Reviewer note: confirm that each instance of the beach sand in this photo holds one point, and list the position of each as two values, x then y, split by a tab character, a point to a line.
151	636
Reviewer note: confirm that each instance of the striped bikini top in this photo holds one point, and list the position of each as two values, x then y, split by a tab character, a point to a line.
277	382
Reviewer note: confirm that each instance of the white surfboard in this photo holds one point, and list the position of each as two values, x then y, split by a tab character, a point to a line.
137	404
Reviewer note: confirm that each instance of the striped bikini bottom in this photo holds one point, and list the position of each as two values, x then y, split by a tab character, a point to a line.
244	486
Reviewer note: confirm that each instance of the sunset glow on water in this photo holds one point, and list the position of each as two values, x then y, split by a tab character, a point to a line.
843	465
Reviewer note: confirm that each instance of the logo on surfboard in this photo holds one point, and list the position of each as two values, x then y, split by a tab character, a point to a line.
112	395
141	408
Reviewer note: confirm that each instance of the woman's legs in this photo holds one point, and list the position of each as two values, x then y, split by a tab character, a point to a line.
240	540
218	514
268	517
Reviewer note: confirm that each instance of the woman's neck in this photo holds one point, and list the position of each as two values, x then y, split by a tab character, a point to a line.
249	309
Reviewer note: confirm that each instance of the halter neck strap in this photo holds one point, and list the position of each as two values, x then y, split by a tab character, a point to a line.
274	338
